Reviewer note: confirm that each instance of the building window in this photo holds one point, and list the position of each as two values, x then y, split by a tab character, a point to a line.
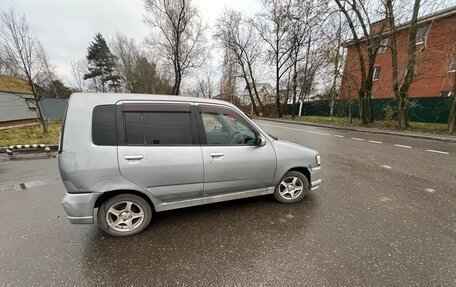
383	45
453	66
376	73
421	34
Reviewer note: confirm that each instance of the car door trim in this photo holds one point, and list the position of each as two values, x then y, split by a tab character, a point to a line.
215	198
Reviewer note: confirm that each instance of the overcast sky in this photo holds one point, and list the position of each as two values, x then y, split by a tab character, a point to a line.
65	27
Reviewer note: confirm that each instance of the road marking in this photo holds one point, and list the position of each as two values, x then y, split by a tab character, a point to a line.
377	142
385	199
338	136
404	146
431	190
358	139
386	166
301	130
438	151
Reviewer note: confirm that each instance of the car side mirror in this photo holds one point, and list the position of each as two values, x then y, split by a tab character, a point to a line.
260	140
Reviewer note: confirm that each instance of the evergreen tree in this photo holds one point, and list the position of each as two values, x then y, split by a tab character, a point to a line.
102	65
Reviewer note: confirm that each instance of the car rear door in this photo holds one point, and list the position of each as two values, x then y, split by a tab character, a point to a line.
233	161
159	149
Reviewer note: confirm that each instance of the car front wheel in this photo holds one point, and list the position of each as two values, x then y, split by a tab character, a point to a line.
292	188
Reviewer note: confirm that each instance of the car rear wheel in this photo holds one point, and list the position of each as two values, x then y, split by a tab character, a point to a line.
293	187
124	215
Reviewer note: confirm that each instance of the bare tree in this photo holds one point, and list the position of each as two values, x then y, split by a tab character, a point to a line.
78	69
401	88
333	54
206	85
366	40
137	72
48	79
127	53
305	17
274	26
22	54
229	76
236	36
178	36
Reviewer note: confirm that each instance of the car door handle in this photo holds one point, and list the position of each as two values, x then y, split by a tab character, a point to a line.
134	157
216	154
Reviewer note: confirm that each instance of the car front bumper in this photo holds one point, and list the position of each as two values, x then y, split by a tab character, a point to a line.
315	177
79	207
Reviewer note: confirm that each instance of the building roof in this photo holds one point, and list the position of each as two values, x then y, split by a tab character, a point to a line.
267	86
450	11
10	84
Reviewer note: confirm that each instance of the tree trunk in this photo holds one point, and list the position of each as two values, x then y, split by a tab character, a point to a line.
452	117
362	104
38	107
254	106
361	109
260	103
402	118
279	108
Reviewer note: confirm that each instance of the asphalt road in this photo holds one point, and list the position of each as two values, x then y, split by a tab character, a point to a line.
384	216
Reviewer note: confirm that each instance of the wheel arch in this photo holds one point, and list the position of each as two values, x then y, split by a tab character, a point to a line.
109	194
304	170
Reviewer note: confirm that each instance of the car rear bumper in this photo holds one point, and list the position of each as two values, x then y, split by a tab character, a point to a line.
315	177
79	207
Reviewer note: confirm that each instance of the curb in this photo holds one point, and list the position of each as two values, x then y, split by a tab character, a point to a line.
29	148
365	130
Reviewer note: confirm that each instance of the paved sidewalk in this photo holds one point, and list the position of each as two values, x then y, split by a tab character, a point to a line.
451	139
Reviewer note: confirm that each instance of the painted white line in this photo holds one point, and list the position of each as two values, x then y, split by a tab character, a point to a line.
377	142
404	146
358	139
431	190
338	136
301	130
438	151
386	166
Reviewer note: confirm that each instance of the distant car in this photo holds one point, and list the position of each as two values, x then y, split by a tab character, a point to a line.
128	155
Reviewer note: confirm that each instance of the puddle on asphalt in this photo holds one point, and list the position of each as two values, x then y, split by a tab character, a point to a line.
29	156
21	186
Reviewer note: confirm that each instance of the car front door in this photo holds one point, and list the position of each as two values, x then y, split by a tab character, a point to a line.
159	149
233	162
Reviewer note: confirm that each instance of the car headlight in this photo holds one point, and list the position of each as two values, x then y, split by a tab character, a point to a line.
317	158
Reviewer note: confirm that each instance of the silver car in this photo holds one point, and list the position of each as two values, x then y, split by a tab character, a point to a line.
127	156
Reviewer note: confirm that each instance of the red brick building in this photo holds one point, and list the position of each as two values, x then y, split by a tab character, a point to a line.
436	59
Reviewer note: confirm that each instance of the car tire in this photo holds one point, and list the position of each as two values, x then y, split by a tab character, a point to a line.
292	188
124	215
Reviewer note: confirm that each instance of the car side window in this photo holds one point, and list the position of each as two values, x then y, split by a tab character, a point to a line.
224	129
158	128
133	128
167	128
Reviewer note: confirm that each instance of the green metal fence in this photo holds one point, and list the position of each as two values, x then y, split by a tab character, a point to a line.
429	110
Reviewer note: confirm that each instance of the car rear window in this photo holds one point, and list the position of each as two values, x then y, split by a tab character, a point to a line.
104	125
